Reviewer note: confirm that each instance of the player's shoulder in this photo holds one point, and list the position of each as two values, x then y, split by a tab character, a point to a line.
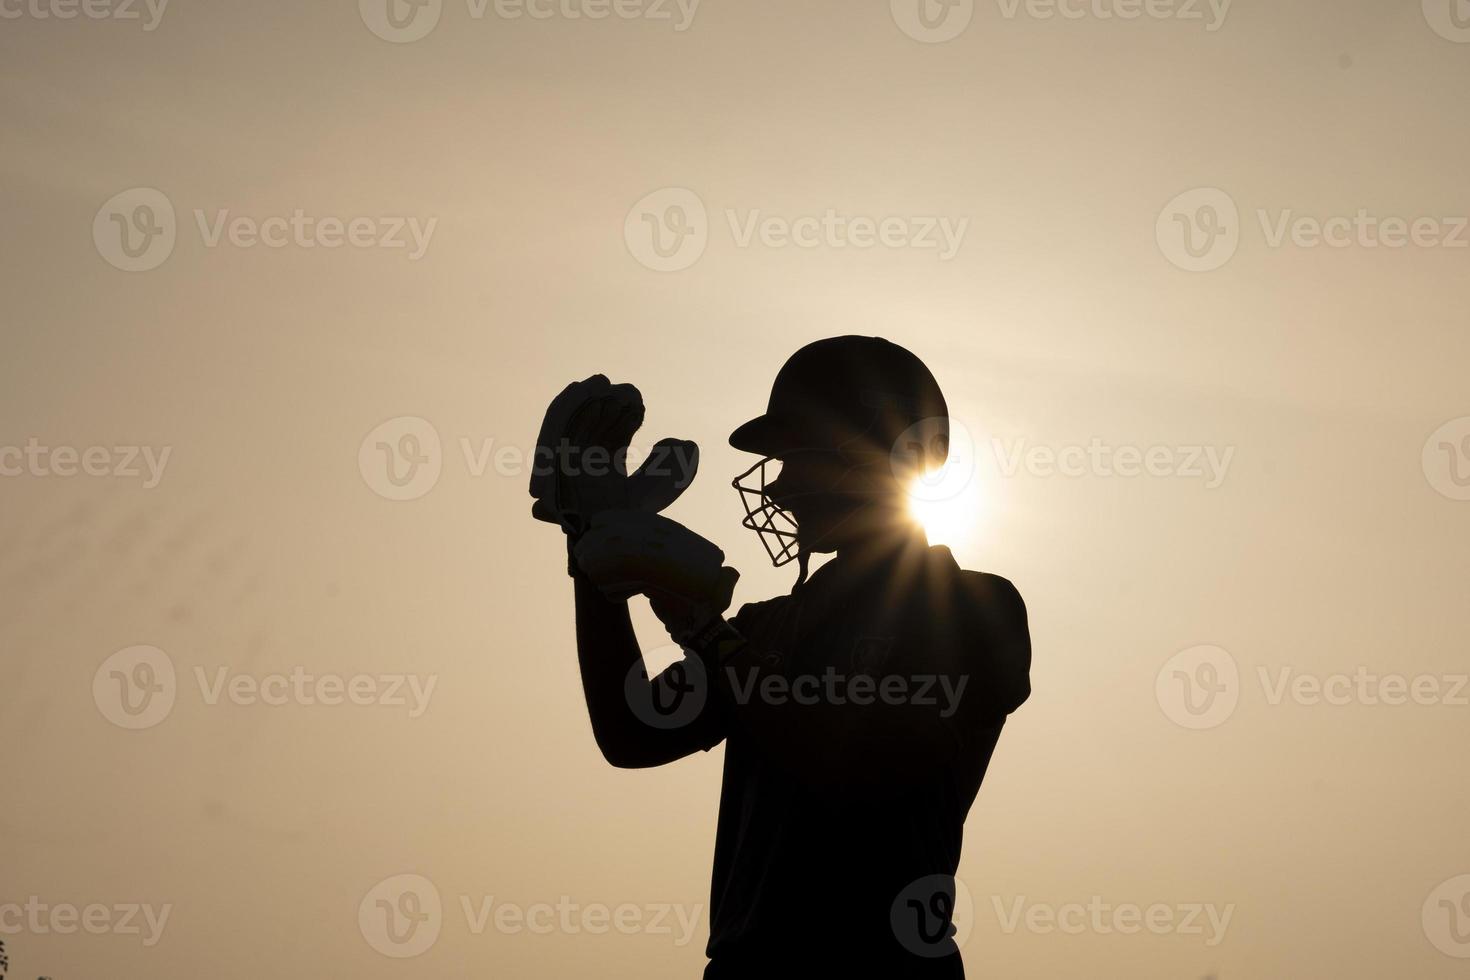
989	589
752	614
983	589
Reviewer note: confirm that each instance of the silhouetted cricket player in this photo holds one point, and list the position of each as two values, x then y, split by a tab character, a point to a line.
859	712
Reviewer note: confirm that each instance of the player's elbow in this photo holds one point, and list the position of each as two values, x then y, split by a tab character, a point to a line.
622	759
624	753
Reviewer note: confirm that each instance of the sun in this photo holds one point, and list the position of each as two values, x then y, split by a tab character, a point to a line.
947	503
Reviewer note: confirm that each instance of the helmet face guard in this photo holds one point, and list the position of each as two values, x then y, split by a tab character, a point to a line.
775	525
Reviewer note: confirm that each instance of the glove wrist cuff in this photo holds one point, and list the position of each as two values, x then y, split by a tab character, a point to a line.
715	639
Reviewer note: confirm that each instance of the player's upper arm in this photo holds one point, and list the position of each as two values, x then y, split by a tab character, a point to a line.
1002	653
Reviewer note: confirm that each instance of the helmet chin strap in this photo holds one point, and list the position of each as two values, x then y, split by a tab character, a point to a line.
803	560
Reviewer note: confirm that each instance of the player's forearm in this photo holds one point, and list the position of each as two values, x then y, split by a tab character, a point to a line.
607	652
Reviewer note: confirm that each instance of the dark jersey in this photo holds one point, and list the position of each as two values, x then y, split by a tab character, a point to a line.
859	720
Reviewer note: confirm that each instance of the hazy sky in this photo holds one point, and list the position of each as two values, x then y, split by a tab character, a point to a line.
239	238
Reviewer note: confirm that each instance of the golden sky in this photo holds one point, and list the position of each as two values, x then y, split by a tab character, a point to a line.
331	230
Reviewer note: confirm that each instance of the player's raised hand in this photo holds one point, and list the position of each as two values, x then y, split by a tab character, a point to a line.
580	466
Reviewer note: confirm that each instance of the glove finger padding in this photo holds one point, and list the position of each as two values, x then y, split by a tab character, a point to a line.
581	457
667	472
576	467
628	552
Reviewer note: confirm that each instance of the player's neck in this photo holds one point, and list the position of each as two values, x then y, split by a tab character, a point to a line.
887	546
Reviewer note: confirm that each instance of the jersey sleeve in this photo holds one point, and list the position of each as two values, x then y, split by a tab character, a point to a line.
997	653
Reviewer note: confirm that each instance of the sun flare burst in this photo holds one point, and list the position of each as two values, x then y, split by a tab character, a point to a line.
948	502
